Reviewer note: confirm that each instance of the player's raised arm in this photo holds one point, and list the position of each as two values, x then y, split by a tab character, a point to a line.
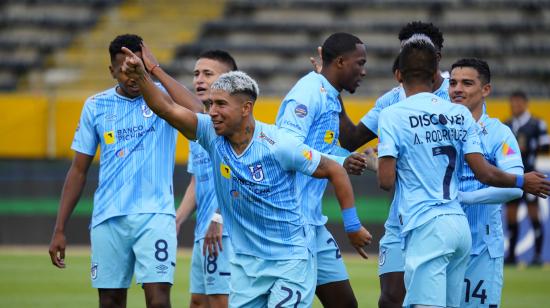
180	94
533	182
181	118
336	174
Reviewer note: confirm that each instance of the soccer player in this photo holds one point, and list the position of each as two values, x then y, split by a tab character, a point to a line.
133	227
470	85
532	136
391	264
425	132
209	285
255	169
310	111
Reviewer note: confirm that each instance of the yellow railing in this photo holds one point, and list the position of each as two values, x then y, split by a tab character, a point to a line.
38	127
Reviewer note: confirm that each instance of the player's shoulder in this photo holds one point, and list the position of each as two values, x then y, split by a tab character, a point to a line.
499	128
390	97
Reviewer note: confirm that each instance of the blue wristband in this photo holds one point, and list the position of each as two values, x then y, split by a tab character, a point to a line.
519	181
351	220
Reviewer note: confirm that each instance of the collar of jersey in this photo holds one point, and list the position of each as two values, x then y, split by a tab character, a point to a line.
257	129
126	98
327	86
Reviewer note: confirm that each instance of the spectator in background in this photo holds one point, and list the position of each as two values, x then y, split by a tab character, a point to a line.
532	136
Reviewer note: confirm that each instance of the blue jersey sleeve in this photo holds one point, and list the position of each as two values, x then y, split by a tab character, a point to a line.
298	113
85	138
190	159
294	155
205	131
370	120
507	151
387	136
472	143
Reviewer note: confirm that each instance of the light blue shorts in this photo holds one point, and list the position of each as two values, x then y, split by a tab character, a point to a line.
258	283
144	244
209	274
329	261
390	256
483	281
436	256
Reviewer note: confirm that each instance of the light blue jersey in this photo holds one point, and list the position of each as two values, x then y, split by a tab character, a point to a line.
311	111
395	95
500	149
370	120
257	190
137	155
205	193
425	132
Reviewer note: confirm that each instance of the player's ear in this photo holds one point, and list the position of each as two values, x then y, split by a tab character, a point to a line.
112	71
486	90
248	106
398	76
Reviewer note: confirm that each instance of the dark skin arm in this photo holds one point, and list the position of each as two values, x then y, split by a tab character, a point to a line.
328	169
386	172
72	189
181	118
353	136
180	94
534	182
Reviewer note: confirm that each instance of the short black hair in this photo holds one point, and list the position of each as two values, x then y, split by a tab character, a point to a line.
220	56
520	94
338	44
419	27
418	62
130	41
479	65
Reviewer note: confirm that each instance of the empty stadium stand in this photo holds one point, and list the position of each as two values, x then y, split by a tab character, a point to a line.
273	40
30	30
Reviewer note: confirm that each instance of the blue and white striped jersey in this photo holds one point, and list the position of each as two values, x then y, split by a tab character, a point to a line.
136	155
427	136
257	190
205	192
311	111
370	120
500	149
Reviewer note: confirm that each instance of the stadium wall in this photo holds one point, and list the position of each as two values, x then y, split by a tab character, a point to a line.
37	127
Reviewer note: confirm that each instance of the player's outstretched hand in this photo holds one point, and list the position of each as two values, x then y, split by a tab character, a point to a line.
149	59
359	240
317	64
132	66
536	184
57	249
356	163
213	239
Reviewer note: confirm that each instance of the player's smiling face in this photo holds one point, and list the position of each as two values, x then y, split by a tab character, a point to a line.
126	86
226	112
354	68
466	88
205	73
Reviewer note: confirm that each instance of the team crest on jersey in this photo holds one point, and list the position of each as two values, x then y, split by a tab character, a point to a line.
257	172
109	137
300	111
93	271
382	257
225	171
329	137
146	111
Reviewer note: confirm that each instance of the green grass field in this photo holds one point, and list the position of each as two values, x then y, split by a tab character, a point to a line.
27	279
